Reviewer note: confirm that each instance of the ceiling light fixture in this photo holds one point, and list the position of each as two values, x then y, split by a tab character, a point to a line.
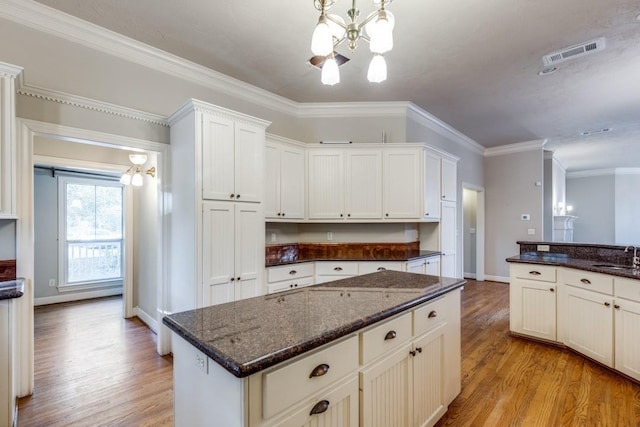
134	174
332	30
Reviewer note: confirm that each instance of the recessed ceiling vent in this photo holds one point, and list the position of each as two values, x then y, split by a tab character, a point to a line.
576	51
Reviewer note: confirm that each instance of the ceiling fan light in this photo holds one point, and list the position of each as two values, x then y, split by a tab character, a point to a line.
322	39
330	72
377	69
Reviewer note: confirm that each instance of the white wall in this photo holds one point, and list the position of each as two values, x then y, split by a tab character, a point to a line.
627	211
593	200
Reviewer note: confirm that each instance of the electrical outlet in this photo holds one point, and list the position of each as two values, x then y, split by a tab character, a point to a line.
329	235
202	363
531	231
543	248
52	283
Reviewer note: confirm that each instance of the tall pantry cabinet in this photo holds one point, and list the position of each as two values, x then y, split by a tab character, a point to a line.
217	217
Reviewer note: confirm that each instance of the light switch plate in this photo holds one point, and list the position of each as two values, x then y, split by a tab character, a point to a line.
531	231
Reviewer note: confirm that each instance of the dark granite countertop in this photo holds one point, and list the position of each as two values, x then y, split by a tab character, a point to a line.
11	289
564	260
250	335
408	256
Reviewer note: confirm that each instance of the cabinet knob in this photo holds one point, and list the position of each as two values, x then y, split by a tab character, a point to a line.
444	197
337	269
432	314
349	215
419	349
238	279
233	279
552	290
585	281
607	304
279	213
341	215
386	214
426	214
319	370
413	353
282	213
232	195
535	273
617	307
381	269
320	407
390	335
295	285
237	196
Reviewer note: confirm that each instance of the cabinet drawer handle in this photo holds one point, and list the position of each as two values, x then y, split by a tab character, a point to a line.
585	281
606	304
293	272
320	407
338	269
319	370
552	290
535	273
390	335
381	269
432	314
617	307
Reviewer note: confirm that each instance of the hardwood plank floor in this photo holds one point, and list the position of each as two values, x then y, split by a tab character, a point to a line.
95	369
508	381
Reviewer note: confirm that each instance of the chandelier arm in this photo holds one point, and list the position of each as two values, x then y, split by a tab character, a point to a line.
323	5
369	19
335	21
339	42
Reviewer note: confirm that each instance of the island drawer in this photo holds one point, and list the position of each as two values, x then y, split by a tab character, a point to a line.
384	338
542	273
366	267
285	386
431	315
291	271
345	268
592	281
288	285
627	289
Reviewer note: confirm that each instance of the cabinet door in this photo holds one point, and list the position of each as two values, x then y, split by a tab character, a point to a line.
627	319
217	158
417	266
218	249
248	162
386	391
431	185
429	377
432	267
292	181
449	180
363	198
326	184
249	250
272	181
402	173
590	329
533	308
448	265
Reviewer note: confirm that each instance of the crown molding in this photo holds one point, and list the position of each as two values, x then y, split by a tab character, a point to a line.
627	171
430	121
590	173
10	70
277	138
204	107
352	109
519	147
90	104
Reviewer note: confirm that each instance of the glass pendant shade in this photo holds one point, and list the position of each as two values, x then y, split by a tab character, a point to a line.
377	69
322	40
380	32
125	179
137	179
138	159
330	72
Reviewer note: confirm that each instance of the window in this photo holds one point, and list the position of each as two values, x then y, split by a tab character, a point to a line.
91	231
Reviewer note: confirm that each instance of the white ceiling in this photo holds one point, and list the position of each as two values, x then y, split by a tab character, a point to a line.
472	64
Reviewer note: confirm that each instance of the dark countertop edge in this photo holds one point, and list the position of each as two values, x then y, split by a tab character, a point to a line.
589	245
17	291
422	254
627	274
244	370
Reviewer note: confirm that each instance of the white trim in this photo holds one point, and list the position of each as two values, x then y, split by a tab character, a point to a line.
277	138
146	319
627	171
56	299
10	70
590	173
501	279
480	229
352	109
515	148
89	286
469	275
25	89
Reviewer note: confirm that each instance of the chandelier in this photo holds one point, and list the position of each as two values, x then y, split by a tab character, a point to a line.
134	174
332	30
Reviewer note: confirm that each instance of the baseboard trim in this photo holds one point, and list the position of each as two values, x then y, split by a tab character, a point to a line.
56	299
497	278
146	318
469	275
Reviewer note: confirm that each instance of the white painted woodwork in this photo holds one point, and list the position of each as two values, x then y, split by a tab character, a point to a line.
447	229
449	182
533	308
627	289
627	333
430	316
542	273
363	184
278	384
325	184
417	266
384	338
287	285
386	391
365	267
428	375
7	349
249	250
285	181
602	283
431	185
590	325
337	268
291	271
8	74
432	266
402	183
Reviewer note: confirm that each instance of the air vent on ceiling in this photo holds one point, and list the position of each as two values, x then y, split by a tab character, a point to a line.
576	51
595	131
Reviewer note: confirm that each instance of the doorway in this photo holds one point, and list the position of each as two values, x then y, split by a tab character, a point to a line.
473	232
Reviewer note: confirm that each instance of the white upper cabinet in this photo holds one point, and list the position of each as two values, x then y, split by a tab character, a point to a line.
449	180
285	178
448	239
232	159
363	197
402	183
431	185
8	74
326	184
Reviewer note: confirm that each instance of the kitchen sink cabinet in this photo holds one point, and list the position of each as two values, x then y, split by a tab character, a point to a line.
284	183
8	74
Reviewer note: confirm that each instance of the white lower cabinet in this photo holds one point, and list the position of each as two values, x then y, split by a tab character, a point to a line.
7	394
288	277
366	267
627	341
430	266
532	300
327	271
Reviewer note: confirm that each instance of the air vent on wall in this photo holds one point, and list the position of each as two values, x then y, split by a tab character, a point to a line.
595	131
576	51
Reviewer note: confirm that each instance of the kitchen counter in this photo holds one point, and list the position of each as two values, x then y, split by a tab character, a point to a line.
250	335
401	257
564	260
10	289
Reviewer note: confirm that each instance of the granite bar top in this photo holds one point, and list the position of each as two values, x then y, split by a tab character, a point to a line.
10	289
403	257
250	335
564	260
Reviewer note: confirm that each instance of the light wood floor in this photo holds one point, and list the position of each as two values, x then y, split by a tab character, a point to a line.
95	369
